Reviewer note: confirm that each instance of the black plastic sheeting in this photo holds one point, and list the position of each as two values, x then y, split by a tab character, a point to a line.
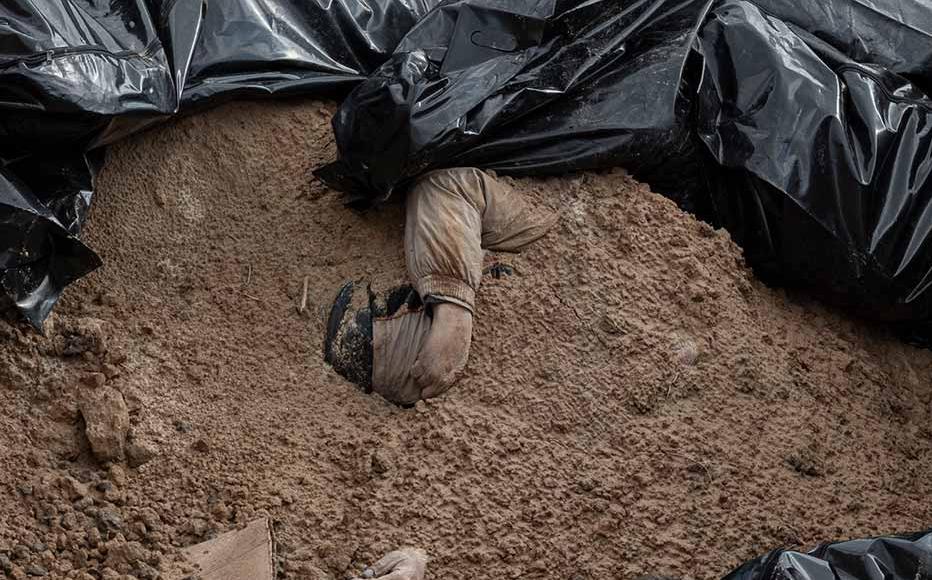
250	48
906	557
524	88
829	160
76	75
802	126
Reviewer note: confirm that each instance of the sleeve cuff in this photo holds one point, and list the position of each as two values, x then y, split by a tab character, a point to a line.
445	289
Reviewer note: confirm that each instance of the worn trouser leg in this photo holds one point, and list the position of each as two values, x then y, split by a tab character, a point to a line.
455	214
452	217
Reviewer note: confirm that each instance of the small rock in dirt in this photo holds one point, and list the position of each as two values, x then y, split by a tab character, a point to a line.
104	486
587	484
133	398
94	380
24	489
196	527
183	426
115	496
220	511
685	351
146	572
111	371
36	570
804	464
21	552
6	565
85	335
107	423
139	529
84	504
73	489
380	463
201	446
93	537
139	453
150	518
109	520
117	475
121	553
69	521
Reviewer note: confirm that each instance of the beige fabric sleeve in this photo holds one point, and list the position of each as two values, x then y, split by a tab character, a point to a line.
396	344
452	216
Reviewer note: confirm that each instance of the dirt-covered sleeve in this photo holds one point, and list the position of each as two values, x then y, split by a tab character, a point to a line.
452	216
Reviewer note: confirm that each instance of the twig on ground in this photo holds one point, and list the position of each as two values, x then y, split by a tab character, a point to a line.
303	307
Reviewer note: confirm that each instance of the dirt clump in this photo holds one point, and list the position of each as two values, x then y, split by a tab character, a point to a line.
107	422
636	401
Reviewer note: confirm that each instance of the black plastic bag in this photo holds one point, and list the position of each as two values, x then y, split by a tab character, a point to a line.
892	558
78	74
894	34
40	256
523	87
823	166
237	48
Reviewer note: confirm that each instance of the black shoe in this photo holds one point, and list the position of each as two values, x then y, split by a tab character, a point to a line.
348	344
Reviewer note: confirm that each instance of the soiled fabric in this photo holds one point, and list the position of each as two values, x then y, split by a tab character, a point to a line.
452	216
397	338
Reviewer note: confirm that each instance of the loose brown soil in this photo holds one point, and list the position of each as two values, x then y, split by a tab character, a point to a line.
636	403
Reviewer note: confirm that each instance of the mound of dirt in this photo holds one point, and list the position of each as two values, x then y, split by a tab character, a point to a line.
636	403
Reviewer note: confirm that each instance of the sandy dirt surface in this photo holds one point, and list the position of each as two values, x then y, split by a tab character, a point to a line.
636	403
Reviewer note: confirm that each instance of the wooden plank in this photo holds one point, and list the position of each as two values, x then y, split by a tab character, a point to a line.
246	554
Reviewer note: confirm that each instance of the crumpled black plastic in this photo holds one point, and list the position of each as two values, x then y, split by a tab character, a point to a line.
39	256
76	75
525	88
907	557
801	126
253	48
827	178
